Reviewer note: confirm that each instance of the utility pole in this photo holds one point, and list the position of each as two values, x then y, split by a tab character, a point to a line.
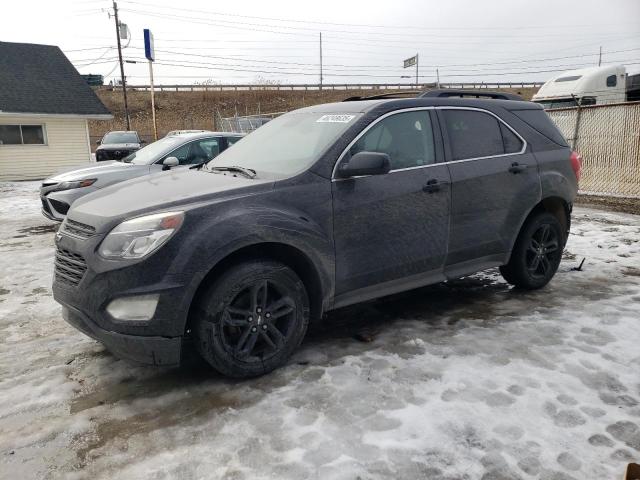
149	52
417	59
153	102
600	57
124	82
320	60
437	78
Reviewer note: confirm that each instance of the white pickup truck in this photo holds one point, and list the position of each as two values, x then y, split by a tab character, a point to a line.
589	86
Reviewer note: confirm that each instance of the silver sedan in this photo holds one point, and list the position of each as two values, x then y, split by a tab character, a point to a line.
182	150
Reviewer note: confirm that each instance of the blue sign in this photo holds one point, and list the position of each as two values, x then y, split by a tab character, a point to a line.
149	52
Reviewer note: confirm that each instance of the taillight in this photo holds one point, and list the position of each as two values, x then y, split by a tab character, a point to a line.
576	164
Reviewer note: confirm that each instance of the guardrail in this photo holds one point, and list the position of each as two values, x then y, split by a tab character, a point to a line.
332	86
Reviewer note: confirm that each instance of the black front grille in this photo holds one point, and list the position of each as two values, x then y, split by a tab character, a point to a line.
111	154
69	267
78	229
61	207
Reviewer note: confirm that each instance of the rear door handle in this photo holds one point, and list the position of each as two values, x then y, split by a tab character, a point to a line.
517	168
432	186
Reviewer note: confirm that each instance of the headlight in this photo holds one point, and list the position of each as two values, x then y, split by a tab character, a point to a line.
76	184
140	236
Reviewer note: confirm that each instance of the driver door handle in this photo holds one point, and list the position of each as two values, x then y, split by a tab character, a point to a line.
433	185
517	168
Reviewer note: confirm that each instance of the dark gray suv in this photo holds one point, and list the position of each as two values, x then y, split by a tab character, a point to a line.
320	208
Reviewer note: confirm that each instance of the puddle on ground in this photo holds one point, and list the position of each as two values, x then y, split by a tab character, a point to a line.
631	271
203	393
175	413
130	388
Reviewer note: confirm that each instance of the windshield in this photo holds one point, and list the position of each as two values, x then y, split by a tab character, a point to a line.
154	151
120	137
288	144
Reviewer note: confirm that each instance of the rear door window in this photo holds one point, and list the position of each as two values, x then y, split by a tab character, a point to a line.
473	134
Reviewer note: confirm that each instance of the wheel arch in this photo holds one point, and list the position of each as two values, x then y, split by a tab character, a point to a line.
287	254
557	206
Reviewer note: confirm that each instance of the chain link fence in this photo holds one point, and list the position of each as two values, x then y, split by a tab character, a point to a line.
608	138
244	123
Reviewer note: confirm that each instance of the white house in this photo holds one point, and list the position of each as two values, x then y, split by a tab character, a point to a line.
44	108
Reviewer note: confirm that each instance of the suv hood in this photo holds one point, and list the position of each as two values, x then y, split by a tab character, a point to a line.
118	146
97	171
161	191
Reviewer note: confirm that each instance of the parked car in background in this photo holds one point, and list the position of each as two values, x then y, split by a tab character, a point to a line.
117	145
320	208
188	149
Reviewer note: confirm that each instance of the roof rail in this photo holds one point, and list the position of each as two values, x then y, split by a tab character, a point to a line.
381	96
450	92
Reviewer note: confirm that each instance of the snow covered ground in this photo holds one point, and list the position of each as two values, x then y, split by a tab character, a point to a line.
464	380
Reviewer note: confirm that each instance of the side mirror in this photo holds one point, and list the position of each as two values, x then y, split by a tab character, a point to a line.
169	162
142	141
98	142
365	163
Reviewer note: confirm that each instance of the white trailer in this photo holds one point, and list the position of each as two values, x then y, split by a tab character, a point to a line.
589	86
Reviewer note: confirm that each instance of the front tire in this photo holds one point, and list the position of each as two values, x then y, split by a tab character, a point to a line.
537	253
252	318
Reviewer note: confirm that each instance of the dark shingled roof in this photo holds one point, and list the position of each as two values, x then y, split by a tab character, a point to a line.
40	79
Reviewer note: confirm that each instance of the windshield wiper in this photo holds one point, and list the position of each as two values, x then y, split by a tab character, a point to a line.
247	172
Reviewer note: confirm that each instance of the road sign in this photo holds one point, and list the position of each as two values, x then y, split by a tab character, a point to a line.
149	51
410	62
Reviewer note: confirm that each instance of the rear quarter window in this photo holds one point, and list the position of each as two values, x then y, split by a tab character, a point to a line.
540	121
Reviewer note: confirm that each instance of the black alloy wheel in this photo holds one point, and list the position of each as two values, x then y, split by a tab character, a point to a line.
536	255
542	251
258	322
252	318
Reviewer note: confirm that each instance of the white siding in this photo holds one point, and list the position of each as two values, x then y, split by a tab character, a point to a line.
67	146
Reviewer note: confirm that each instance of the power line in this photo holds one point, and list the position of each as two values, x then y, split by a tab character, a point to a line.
308	31
430	28
353	68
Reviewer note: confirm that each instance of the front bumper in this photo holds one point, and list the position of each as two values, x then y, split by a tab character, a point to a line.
56	204
85	284
160	351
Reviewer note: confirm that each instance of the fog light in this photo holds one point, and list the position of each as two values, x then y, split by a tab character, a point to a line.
139	307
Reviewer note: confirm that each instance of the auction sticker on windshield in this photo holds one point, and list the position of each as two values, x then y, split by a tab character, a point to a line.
335	119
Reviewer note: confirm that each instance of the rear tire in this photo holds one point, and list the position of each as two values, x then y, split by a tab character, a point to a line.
537	253
251	319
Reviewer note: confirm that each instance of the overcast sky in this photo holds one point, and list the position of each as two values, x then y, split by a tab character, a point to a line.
251	41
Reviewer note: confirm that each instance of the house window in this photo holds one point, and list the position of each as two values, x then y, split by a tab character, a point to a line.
22	135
